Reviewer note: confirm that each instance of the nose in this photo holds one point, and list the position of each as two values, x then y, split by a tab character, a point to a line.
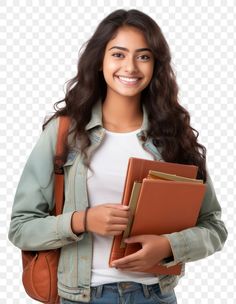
130	66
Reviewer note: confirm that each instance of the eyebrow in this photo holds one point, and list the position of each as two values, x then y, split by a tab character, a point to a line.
125	49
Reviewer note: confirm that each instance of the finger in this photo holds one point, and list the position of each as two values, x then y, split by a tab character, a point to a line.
120	213
128	264
111	231
134	268
117	227
117	206
117	210
128	259
114	232
119	221
133	265
136	239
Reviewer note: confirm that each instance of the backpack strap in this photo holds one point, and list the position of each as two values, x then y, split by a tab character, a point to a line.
64	123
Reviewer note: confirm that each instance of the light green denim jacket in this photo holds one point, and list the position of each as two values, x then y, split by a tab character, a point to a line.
32	228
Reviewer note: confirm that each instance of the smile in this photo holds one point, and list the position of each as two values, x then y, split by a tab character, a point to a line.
128	80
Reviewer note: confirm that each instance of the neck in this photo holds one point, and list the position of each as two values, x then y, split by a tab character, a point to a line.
122	114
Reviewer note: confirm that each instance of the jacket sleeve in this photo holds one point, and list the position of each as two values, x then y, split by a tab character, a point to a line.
31	226
207	237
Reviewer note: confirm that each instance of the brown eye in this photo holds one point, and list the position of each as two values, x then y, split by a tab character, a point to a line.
144	57
118	55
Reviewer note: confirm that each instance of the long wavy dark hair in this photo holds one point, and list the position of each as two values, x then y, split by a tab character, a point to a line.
169	121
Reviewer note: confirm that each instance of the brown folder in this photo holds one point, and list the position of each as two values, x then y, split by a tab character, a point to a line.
137	170
165	207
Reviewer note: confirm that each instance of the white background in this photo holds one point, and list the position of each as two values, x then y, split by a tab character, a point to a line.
39	44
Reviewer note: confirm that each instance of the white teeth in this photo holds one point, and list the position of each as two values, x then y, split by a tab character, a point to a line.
128	79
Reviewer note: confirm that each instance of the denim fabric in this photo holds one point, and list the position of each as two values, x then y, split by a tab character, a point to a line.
127	293
35	195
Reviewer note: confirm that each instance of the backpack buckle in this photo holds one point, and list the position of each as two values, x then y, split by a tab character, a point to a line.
58	169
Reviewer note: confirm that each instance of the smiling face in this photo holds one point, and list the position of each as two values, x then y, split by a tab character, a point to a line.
128	63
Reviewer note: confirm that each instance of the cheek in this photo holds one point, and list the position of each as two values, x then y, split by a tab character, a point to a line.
109	65
149	73
109	70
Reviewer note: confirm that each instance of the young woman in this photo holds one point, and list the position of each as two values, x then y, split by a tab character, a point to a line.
122	103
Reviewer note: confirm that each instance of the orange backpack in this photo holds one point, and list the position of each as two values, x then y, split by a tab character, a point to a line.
40	267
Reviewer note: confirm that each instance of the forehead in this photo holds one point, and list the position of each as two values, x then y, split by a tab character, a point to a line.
129	37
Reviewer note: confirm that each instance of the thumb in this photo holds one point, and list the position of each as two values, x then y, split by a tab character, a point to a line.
135	239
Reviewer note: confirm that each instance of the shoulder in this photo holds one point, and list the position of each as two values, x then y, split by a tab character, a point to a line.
52	126
44	149
48	135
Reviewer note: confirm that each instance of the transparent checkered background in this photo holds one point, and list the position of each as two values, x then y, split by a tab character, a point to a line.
39	43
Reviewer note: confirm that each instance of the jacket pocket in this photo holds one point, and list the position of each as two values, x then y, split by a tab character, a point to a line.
70	159
67	267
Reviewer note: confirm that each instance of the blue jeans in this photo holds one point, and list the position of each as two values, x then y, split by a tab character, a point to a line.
127	293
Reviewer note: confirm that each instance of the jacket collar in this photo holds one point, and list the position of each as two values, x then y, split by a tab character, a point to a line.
96	118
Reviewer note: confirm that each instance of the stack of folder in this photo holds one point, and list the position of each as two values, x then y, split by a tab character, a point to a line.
163	198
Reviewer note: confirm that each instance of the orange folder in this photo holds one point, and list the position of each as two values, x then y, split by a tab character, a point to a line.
162	207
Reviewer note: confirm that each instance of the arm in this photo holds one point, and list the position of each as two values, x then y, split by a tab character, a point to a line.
188	245
31	227
207	237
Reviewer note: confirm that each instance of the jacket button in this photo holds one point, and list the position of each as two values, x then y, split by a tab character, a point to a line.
143	137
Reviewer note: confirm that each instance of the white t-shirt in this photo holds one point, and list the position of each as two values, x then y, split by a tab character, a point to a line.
109	163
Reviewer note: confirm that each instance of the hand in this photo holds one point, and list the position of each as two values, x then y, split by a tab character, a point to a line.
154	249
107	219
